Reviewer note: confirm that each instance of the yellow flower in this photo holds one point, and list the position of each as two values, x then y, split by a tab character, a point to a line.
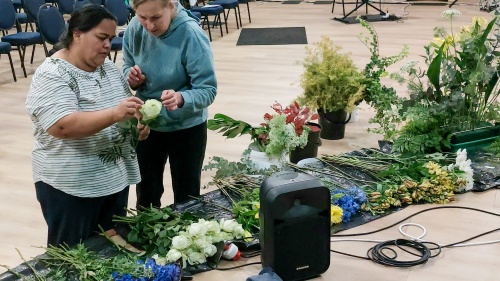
479	20
336	214
257	215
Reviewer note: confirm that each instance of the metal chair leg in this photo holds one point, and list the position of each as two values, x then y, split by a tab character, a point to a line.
12	67
248	10
22	59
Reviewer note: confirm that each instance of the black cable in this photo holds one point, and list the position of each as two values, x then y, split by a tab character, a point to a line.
417	213
234	267
424	253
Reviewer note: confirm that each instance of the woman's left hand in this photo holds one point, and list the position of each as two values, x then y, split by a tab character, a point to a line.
143	131
172	99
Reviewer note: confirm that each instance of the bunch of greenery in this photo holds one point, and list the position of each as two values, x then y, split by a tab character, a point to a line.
331	81
80	263
383	99
152	229
459	89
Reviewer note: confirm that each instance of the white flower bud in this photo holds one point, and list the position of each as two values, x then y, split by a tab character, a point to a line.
196	258
150	109
173	255
197	229
181	242
210	250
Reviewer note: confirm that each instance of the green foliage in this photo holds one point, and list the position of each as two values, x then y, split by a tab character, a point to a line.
331	81
246	211
458	91
153	229
383	99
232	128
494	148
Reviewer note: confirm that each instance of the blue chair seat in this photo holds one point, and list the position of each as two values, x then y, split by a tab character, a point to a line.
228	5
5	48
121	33
196	14
213	10
22	17
23	38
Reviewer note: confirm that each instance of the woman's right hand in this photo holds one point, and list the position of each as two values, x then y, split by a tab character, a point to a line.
135	77
127	108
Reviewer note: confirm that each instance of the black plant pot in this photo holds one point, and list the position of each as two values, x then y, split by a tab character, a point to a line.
311	148
333	124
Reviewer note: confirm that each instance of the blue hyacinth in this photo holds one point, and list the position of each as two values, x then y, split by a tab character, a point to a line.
349	200
169	272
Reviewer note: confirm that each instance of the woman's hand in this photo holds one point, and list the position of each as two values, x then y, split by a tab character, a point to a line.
172	99
127	108
143	131
135	77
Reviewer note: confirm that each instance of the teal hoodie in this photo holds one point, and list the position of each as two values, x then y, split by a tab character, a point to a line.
181	59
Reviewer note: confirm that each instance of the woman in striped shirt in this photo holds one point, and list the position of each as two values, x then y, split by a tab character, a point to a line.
76	101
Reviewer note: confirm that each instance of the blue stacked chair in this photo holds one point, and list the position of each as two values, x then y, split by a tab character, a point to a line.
211	10
228	5
51	24
119	9
248	9
21	39
66	6
5	49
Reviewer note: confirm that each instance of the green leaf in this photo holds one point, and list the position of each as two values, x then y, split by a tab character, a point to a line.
434	70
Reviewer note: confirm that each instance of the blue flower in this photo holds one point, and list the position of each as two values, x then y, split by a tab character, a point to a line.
348	200
168	272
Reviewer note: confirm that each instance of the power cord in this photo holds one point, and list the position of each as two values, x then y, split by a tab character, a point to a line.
216	267
378	254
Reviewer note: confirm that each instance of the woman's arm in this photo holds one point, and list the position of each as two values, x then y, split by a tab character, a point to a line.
84	124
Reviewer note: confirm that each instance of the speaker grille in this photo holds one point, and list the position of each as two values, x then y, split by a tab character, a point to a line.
302	248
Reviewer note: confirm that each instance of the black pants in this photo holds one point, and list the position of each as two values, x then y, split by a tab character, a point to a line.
72	219
185	150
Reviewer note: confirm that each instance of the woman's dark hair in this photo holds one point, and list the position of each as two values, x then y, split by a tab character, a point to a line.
83	20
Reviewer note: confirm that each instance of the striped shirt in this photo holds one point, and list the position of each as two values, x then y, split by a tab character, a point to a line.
72	165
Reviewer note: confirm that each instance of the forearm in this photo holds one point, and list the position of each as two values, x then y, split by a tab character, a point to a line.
82	124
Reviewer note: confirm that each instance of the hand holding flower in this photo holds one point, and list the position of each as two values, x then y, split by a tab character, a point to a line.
126	109
143	131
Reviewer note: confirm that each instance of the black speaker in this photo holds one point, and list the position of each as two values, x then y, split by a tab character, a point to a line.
294	222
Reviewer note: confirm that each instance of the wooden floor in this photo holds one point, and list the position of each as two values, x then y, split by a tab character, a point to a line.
250	79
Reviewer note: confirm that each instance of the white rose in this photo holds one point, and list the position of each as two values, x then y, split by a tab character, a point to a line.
238	232
212	226
210	250
150	109
181	242
196	258
173	255
228	225
201	242
197	229
160	260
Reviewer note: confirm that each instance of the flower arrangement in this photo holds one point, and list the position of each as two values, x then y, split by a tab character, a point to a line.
458	90
196	243
149	116
281	132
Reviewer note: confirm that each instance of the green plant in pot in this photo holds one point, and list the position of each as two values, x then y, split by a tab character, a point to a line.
457	96
283	132
332	84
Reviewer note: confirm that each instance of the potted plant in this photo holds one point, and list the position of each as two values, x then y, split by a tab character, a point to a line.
332	84
454	103
287	130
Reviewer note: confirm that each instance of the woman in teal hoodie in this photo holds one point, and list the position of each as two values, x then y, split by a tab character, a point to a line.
167	56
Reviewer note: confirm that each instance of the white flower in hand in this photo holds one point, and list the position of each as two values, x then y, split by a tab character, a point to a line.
150	109
173	255
181	242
